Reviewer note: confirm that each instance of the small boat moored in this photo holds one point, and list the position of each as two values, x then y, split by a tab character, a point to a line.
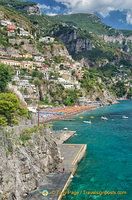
87	122
105	118
124	117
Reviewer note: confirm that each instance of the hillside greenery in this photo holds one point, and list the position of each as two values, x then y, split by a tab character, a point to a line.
44	23
119	88
5	76
16	17
10	109
16	3
88	22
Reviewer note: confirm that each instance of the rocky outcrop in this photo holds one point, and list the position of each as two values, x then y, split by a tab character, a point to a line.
15	91
26	45
74	42
55	50
24	160
103	96
121	39
113	39
33	10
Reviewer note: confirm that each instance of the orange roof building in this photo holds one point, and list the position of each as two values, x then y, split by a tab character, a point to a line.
11	27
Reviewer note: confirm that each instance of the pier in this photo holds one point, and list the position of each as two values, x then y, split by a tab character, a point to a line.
56	183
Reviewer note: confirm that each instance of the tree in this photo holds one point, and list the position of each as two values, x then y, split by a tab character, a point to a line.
10	109
5	76
119	88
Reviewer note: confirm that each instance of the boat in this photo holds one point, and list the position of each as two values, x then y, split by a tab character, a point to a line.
124	117
65	128
92	117
87	122
105	118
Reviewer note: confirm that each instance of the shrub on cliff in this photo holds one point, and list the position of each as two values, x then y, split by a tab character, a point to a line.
10	109
119	88
5	76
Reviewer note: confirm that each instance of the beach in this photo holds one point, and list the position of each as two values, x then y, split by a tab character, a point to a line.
58	114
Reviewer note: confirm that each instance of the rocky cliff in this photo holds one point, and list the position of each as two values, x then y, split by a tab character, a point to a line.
103	96
29	47
55	50
32	10
74	42
25	159
116	39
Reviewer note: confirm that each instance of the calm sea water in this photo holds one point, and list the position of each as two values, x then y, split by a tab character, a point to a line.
107	165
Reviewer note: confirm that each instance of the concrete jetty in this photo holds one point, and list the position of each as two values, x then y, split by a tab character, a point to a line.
56	183
61	136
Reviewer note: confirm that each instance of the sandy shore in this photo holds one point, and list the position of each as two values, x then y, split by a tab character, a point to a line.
66	112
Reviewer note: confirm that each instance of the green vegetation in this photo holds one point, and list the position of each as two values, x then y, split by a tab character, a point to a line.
45	23
16	17
26	134
5	76
10	109
127	33
109	70
119	88
58	59
88	22
36	73
16	3
89	82
71	97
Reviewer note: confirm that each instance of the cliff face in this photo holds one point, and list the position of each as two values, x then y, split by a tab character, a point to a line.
23	162
103	96
113	39
33	10
30	48
55	50
74	42
116	39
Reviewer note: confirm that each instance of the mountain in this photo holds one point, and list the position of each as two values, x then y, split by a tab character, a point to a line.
96	47
89	22
24	7
116	19
51	7
61	61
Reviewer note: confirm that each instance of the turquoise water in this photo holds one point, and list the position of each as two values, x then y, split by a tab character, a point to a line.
107	165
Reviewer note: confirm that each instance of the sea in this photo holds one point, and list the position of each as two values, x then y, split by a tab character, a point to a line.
105	172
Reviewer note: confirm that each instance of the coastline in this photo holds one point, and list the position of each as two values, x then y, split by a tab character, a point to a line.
69	111
57	182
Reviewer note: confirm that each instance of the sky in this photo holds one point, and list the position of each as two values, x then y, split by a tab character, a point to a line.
117	13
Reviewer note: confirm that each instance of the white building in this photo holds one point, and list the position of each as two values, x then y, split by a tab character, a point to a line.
47	39
66	84
46	75
23	84
39	58
5	23
10	62
16	79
